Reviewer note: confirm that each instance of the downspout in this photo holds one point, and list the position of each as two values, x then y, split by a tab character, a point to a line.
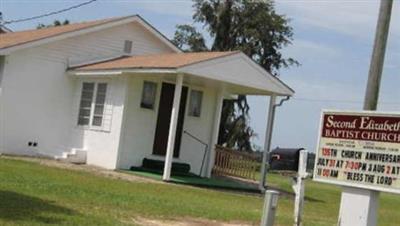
268	138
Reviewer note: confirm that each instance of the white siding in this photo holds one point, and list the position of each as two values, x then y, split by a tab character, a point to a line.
102	44
140	125
39	99
192	151
102	143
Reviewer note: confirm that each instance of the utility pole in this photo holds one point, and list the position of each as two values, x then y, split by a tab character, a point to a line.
378	56
359	207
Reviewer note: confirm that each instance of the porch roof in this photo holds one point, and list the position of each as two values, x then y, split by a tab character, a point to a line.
174	60
231	67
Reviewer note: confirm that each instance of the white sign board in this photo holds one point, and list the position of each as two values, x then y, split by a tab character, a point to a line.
359	149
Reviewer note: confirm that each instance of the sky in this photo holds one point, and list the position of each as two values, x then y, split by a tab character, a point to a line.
333	41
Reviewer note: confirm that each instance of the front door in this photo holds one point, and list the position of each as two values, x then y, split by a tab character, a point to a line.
164	118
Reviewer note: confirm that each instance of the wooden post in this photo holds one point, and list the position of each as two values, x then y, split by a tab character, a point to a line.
172	127
360	206
378	56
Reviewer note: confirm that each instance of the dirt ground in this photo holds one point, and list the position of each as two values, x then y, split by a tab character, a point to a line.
184	222
85	168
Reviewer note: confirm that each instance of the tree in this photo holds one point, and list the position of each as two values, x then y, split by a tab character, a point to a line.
253	27
189	39
56	23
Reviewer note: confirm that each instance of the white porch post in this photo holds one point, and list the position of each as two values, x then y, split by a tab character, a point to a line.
172	127
2	118
215	131
268	137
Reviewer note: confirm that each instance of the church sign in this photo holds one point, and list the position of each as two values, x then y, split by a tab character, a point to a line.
359	149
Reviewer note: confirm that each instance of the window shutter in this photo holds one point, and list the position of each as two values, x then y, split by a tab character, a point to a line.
108	109
85	106
99	103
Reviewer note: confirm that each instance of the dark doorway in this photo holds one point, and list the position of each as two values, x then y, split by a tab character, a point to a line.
164	118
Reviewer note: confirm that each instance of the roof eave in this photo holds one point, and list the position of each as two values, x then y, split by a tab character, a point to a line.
159	34
288	90
105	25
119	71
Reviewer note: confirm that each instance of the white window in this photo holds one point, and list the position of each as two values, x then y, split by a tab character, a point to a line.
91	108
196	97
148	95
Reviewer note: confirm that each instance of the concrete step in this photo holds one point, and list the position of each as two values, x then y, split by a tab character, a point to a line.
74	156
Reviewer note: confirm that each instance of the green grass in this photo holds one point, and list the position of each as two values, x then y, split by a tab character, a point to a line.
33	194
323	202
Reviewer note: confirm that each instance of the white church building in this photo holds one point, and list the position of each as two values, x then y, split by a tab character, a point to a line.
115	91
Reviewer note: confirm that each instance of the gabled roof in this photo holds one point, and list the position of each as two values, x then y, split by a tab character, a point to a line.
232	67
21	39
159	61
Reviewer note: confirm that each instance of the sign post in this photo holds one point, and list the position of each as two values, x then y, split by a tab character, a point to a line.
358	207
298	187
361	151
269	209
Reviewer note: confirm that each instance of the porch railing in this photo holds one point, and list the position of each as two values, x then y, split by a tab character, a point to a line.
234	163
205	149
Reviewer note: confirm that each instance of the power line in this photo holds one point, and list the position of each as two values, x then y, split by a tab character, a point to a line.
49	14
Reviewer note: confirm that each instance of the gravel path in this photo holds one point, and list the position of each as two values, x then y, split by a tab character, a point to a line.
185	222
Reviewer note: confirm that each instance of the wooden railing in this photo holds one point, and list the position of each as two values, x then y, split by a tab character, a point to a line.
234	163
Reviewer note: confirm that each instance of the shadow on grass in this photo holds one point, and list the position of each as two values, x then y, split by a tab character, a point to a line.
310	199
20	207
